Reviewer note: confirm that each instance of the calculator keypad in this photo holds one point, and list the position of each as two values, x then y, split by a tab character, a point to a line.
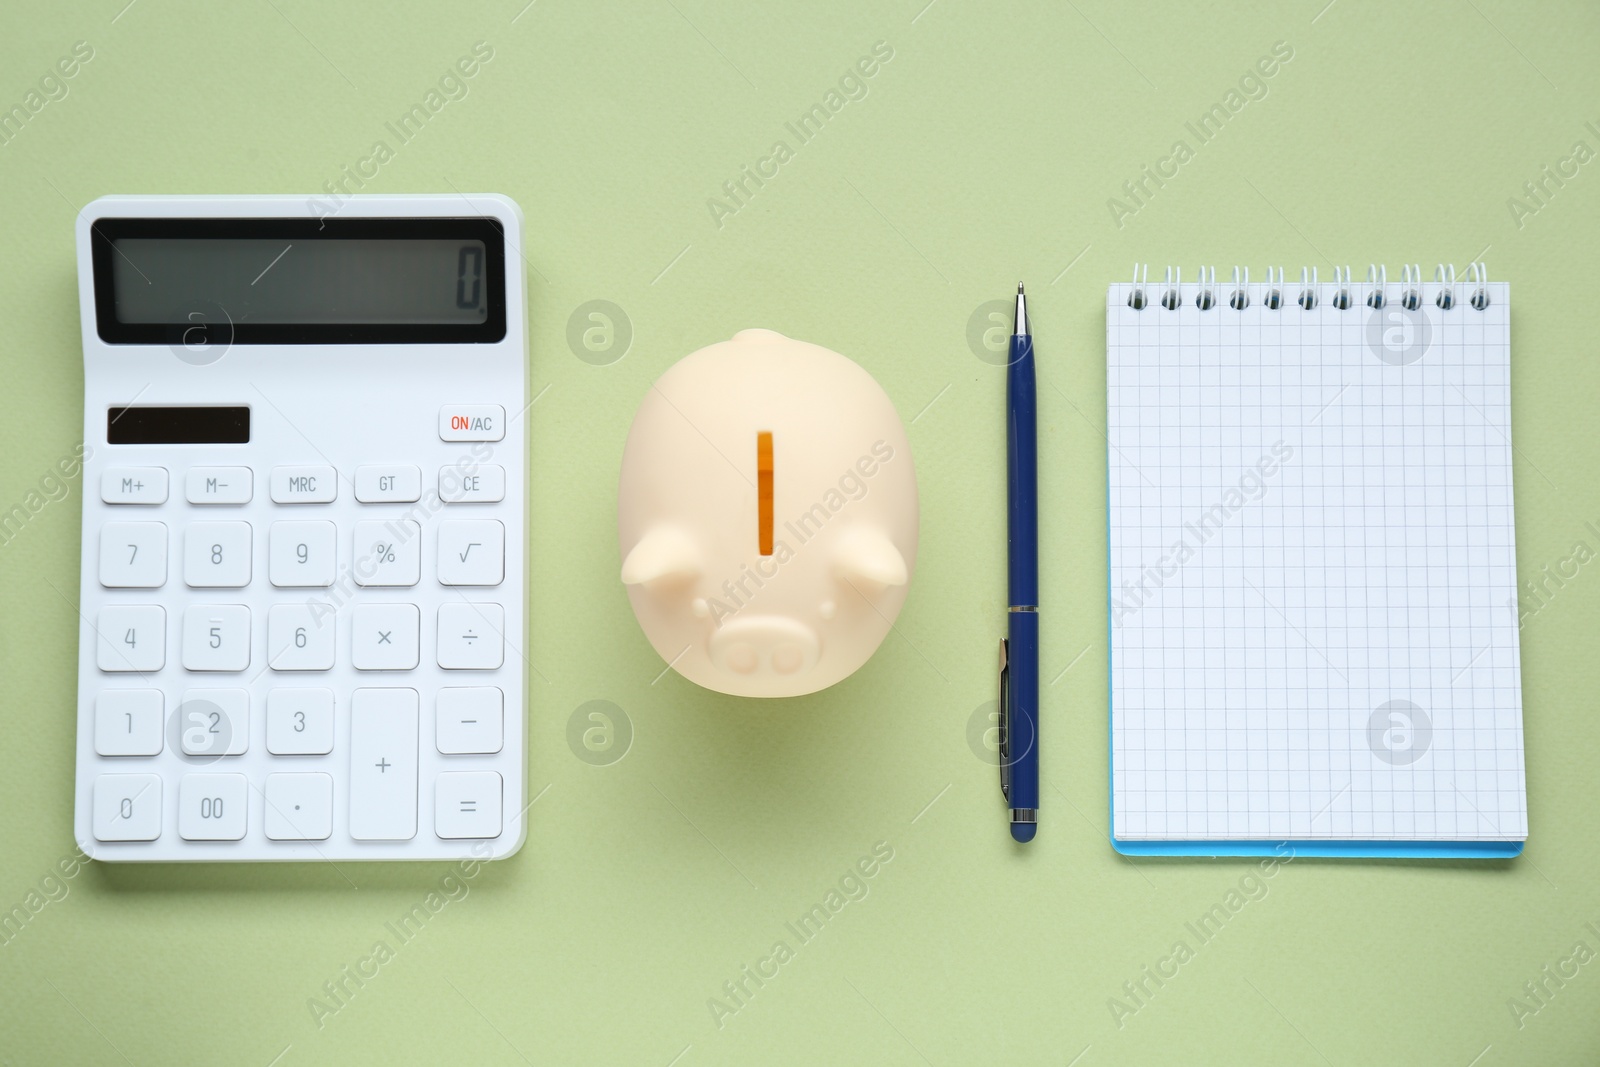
218	485
304	485
127	807
467	804
469	637
133	555
216	555
350	756
300	722
388	553
383	764
472	552
214	722
300	637
299	807
470	719
385	637
388	483
212	807
127	722
486	485
300	555
216	637
132	638
134	485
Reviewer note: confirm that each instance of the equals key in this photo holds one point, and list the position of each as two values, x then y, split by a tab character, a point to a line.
467	805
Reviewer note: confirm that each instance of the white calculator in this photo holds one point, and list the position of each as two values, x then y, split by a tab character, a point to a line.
302	596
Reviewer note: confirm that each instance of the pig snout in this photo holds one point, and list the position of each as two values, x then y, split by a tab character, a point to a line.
772	644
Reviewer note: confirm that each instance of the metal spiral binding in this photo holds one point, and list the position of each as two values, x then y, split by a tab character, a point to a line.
1141	278
1274	289
1206	299
1377	281
1341	292
1174	280
1410	286
1308	290
1478	274
1447	277
1473	287
1241	290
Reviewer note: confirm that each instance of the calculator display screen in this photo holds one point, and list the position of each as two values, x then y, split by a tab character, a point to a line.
299	280
265	280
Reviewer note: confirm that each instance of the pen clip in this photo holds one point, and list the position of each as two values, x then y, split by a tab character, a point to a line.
1005	720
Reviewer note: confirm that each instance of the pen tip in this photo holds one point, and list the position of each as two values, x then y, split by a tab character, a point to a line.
1019	288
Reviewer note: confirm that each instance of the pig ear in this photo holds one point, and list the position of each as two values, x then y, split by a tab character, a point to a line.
866	553
665	552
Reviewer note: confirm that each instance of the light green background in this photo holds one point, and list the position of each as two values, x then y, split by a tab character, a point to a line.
984	151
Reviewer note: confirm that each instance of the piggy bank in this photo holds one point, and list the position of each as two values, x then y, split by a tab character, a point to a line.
767	515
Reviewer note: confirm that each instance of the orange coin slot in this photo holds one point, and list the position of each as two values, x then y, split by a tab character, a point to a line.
764	489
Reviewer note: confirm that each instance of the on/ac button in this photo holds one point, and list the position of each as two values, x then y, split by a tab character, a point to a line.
472	422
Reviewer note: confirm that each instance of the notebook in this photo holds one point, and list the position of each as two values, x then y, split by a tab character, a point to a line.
1313	622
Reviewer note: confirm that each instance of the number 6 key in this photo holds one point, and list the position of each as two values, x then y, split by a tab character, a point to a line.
300	637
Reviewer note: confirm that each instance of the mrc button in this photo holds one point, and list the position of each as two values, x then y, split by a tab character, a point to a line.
472	422
304	485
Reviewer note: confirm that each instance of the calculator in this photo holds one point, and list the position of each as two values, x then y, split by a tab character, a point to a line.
302	591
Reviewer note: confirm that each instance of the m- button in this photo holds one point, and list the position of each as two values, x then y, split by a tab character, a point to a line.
472	422
304	485
218	485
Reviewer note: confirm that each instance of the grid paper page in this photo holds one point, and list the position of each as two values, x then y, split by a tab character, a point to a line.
1313	568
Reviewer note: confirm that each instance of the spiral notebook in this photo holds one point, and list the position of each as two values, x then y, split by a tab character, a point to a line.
1313	609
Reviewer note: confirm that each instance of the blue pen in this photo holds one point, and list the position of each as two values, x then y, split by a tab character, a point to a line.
1019	652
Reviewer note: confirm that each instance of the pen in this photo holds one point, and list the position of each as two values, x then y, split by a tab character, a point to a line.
1019	650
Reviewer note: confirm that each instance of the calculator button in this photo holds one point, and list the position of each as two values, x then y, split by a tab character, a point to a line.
134	485
383	637
474	485
218	485
472	422
212	807
300	722
472	552
127	807
216	637
388	553
216	555
301	554
469	719
466	804
214	722
304	485
299	807
132	638
388	484
300	637
133	555
469	636
383	764
127	722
